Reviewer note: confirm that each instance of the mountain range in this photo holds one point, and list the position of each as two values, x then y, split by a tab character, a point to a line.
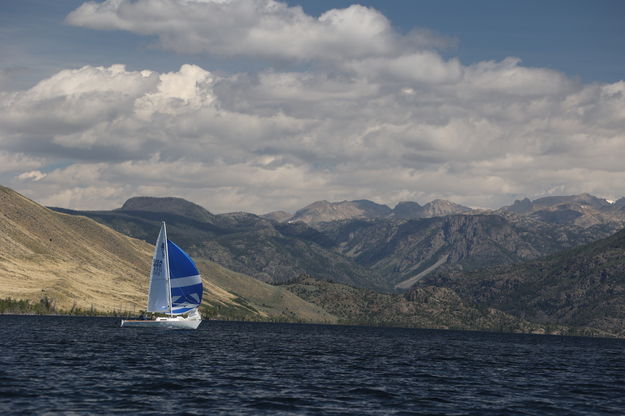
242	242
583	210
510	269
405	251
368	245
371	246
75	264
324	211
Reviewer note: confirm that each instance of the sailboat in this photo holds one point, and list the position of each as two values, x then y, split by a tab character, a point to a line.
175	290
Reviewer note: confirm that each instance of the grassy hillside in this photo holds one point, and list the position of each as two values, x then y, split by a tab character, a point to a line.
71	260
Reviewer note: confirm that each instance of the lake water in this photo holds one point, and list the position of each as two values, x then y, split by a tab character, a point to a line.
71	365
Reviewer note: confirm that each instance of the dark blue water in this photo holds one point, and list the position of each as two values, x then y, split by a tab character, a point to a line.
64	365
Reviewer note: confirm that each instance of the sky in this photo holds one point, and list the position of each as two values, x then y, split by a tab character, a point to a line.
262	105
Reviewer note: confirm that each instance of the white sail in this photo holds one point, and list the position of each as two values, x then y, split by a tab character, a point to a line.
159	297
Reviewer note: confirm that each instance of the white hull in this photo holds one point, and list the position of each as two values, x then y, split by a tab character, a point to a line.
177	322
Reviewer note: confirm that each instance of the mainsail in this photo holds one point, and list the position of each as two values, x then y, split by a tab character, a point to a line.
175	283
159	297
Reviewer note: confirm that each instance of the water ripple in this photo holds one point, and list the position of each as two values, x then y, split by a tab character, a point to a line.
61	365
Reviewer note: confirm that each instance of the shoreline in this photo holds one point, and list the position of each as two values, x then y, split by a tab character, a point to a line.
575	332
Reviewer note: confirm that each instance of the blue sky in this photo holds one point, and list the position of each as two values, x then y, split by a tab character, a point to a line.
583	38
259	105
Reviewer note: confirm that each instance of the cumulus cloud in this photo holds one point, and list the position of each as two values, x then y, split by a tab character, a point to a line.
280	140
385	118
509	77
423	66
258	28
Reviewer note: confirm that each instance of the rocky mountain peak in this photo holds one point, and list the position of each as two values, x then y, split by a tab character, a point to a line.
442	207
522	206
583	210
550	202
408	210
324	211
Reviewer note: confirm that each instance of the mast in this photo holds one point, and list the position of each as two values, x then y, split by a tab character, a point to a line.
166	265
147	306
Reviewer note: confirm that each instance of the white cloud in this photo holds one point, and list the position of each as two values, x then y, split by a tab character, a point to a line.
384	118
278	140
421	67
508	77
258	28
177	92
34	175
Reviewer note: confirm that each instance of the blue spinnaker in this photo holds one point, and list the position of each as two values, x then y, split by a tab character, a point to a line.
186	284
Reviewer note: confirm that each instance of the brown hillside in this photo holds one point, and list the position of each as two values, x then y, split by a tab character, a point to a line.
71	260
